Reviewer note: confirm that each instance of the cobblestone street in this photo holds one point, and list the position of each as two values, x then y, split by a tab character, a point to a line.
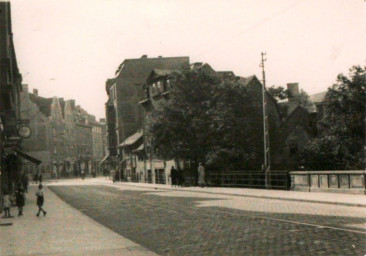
189	223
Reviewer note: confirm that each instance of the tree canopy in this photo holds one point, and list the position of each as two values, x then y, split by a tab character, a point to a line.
208	119
341	144
279	93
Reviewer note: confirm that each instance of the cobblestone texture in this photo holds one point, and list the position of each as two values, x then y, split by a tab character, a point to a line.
174	225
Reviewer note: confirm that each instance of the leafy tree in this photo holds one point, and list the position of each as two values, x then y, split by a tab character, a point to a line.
279	93
306	102
341	144
211	120
180	127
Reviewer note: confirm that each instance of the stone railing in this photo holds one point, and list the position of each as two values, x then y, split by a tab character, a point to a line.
352	182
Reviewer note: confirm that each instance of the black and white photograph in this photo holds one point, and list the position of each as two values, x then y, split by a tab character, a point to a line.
182	127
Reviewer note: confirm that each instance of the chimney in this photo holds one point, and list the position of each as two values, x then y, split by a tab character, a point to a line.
293	91
25	88
35	92
144	56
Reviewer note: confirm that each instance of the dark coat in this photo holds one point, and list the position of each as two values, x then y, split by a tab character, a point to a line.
174	176
19	198
40	198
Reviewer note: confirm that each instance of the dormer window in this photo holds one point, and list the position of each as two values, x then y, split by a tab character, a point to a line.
167	85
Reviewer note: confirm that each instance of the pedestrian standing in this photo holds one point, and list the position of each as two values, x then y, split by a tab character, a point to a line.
6	205
174	176
201	175
20	200
40	200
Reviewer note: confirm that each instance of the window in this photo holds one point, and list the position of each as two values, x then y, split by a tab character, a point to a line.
167	85
154	89
147	92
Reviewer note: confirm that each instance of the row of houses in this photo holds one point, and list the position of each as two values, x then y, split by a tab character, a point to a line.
11	124
64	136
51	136
141	85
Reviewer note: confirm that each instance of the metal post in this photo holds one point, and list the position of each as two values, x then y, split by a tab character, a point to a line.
266	164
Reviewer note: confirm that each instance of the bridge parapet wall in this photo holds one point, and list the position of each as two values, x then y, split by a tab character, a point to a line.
346	181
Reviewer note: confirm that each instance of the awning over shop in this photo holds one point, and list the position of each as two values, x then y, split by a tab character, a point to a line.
132	139
28	157
104	159
140	148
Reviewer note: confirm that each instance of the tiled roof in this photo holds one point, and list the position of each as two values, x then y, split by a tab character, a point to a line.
132	139
162	72
318	97
139	69
157	73
246	80
44	104
140	148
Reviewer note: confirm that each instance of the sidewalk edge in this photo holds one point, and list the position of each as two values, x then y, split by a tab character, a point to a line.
263	197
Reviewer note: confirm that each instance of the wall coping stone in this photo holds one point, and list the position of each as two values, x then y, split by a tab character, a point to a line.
349	172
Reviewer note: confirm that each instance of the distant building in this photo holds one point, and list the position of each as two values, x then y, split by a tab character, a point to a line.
65	137
299	125
38	111
318	100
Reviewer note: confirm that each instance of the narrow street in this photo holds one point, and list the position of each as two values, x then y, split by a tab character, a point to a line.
191	223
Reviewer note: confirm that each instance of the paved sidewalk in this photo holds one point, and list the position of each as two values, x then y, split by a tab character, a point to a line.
312	197
64	231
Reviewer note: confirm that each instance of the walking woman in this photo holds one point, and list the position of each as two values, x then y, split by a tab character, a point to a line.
40	200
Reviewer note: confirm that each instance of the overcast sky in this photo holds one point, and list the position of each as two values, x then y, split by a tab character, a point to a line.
68	48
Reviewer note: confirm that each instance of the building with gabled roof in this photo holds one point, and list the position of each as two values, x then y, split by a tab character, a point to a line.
10	88
64	136
126	90
292	136
124	116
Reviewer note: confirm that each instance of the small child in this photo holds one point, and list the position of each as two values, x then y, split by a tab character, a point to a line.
40	200
7	204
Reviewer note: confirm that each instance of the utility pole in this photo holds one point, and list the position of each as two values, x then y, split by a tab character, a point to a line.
267	161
